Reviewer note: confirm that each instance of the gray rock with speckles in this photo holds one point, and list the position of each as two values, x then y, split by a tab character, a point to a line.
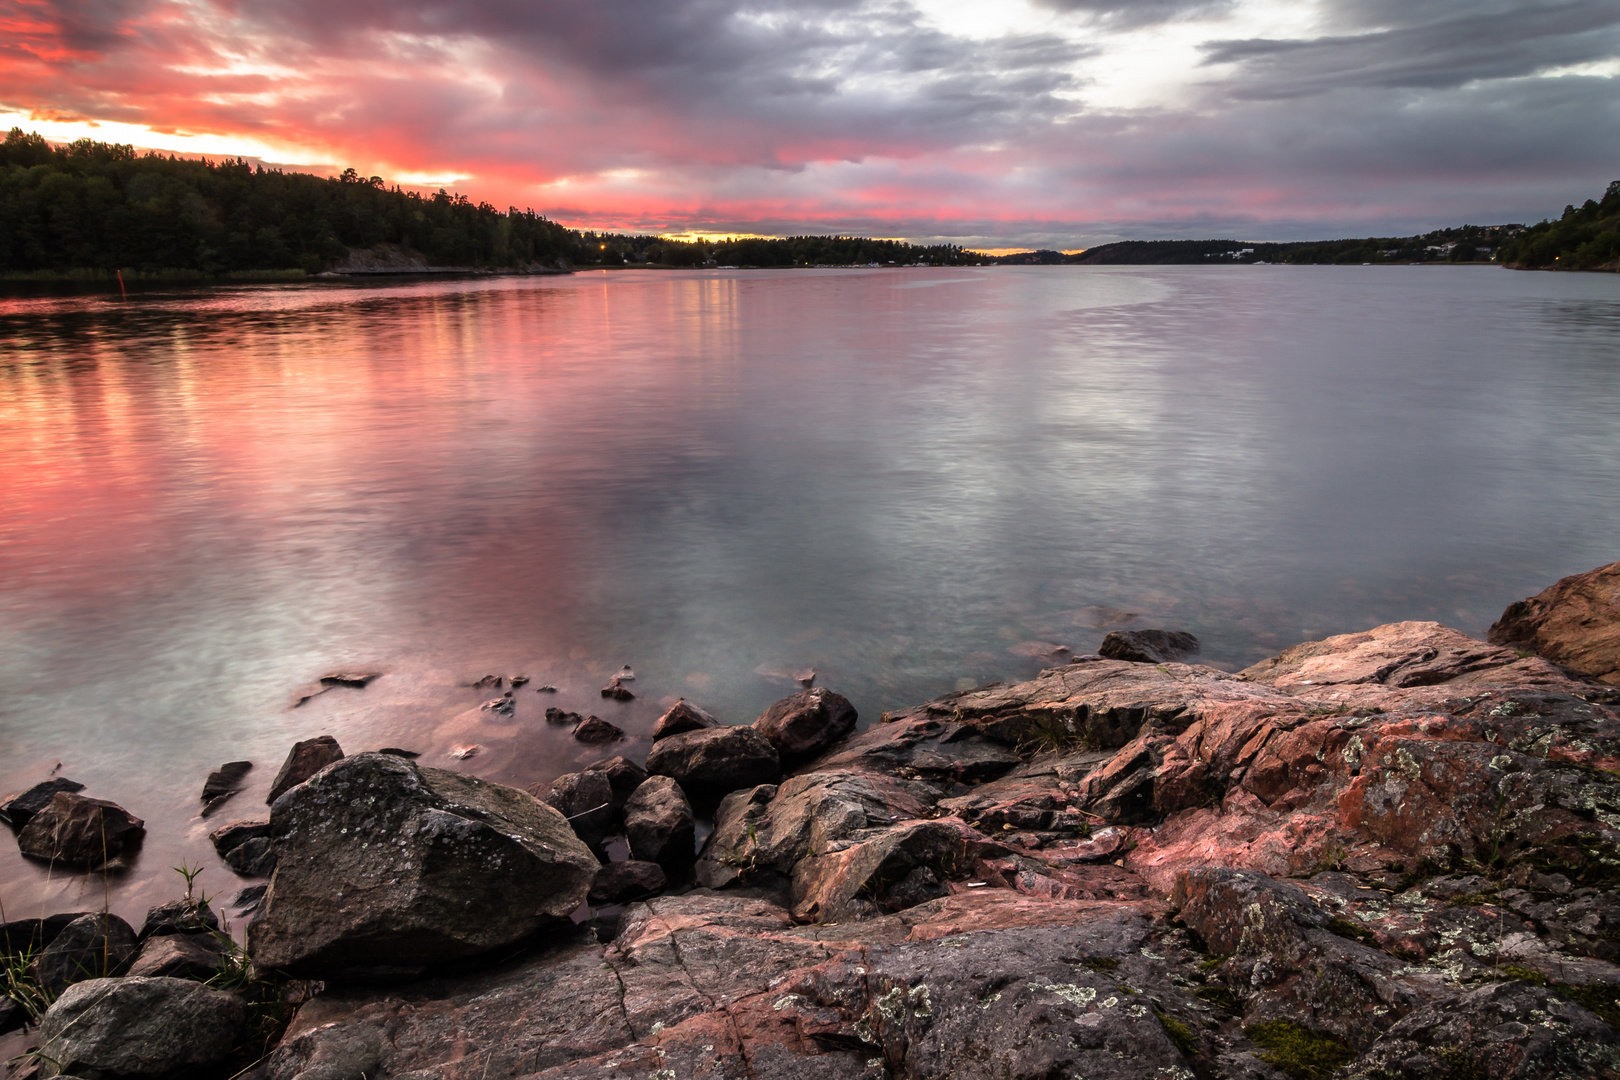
385	868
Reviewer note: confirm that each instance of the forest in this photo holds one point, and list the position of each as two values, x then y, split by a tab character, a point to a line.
1584	238
93	208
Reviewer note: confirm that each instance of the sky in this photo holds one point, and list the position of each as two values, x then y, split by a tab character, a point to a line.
991	123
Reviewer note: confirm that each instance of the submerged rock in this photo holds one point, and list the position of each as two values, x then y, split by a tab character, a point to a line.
80	832
805	724
19	809
155	1027
304	760
222	783
594	731
1148	646
384	868
1574	623
712	763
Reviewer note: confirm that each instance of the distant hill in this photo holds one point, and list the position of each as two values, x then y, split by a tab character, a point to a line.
92	208
1470	243
1582	239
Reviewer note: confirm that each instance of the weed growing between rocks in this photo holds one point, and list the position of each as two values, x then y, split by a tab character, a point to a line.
17	981
1297	1051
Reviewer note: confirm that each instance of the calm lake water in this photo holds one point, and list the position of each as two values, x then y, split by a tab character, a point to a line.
900	478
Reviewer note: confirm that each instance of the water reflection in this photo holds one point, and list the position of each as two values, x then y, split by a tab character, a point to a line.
899	478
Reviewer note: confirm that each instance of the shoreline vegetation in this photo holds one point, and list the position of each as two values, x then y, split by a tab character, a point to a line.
93	212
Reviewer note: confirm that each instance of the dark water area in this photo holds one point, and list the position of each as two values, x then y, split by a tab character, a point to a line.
900	478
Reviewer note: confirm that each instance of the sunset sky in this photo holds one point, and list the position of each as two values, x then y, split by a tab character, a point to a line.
985	122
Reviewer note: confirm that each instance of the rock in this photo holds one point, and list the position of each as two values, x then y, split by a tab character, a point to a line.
357	680
586	800
1575	623
659	824
594	731
247	901
518	681
20	808
681	717
304	760
712	763
179	956
12	1015
805	724
179	917
624	775
235	834
90	947
73	830
897	869
32	935
465	751
1148	646
503	706
624	882
252	858
140	1027
448	866
222	783
1040	650
397	752
555	715
616	690
489	682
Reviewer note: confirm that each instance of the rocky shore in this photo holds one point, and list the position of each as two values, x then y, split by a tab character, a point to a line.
1388	854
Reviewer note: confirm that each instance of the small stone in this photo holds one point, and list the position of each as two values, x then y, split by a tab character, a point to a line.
519	680
489	682
397	752
304	760
225	780
616	690
357	680
179	917
501	705
235	834
546	688
469	750
555	715
593	731
179	956
248	900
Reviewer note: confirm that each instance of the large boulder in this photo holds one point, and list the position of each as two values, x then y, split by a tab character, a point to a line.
73	830
712	763
585	799
304	760
1575	623
1149	646
659	825
18	809
384	868
681	717
803	725
140	1027
89	947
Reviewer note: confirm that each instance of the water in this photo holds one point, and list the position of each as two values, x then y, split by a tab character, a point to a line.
899	478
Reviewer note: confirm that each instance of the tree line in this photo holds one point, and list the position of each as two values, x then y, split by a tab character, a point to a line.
94	207
1583	238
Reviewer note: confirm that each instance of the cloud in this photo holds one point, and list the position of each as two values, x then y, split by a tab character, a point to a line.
874	115
1457	45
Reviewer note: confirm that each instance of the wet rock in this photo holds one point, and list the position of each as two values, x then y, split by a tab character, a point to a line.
1149	646
681	717
1575	623
179	956
594	731
1040	650
179	917
18	809
625	882
140	1027
90	947
222	783
235	834
805	724
519	681
453	866
503	706
712	763
252	858
76	831
397	752
304	760
659	824
555	715
465	751
357	680
616	690
586	800
624	775
489	682
246	901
